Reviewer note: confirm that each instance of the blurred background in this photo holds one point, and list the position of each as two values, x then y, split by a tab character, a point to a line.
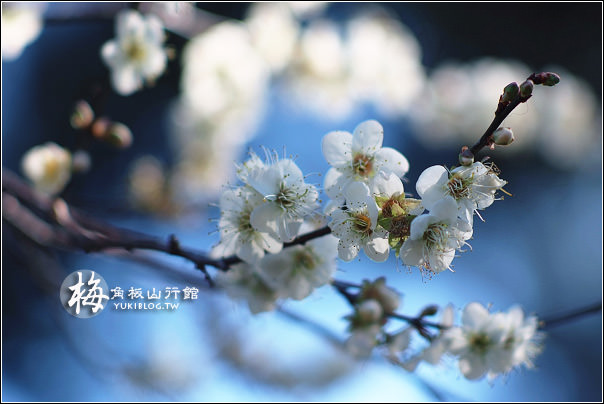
287	75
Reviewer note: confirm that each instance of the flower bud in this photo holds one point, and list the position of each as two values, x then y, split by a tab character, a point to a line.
503	136
119	135
370	311
429	311
510	92
546	78
100	127
526	89
466	157
82	115
551	79
80	161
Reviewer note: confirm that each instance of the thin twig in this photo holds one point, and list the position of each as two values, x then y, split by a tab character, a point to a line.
555	321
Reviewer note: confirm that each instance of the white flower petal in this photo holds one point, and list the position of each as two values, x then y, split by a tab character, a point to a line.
356	195
288	228
367	137
412	253
334	184
266	181
336	147
435	175
392	160
347	252
441	260
377	249
125	80
264	218
445	210
290	172
249	251
155	63
419	225
384	184
475	316
473	367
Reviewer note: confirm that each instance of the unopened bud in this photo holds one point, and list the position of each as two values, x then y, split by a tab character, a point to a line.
119	135
551	79
429	311
546	78
80	161
466	158
526	89
503	136
100	127
370	311
510	92
82	115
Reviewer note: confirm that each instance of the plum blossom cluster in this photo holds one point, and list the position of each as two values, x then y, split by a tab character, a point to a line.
369	209
485	344
272	207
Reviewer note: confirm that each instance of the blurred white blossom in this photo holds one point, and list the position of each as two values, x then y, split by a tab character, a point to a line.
493	343
274	31
370	59
298	270
137	54
21	25
224	77
48	167
242	281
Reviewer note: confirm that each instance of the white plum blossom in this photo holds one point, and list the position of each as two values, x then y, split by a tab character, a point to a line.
435	236
237	236
473	187
267	21
287	199
242	281
21	25
356	226
493	344
297	270
48	167
358	157
137	54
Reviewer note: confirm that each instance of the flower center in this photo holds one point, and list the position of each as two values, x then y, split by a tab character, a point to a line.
286	197
458	187
436	236
401	226
244	225
305	259
362	165
135	51
479	343
51	169
361	223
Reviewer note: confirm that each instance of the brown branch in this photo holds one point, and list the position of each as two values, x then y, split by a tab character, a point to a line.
505	107
51	221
